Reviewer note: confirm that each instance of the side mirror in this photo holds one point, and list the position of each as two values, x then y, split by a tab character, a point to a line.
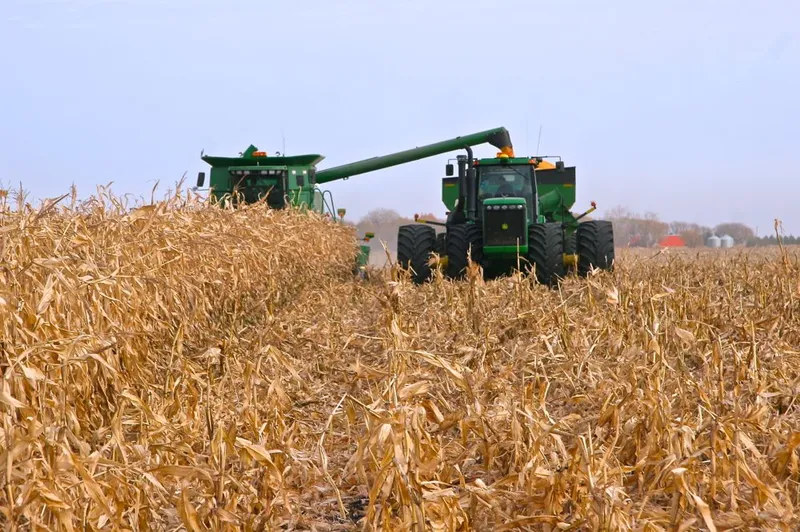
201	179
560	166
448	170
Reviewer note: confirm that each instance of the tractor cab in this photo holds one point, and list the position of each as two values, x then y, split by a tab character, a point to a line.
532	184
504	182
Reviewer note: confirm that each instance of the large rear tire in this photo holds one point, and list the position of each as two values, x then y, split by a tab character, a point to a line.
458	241
546	252
595	246
414	246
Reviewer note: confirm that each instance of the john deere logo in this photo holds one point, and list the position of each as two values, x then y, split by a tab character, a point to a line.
505	227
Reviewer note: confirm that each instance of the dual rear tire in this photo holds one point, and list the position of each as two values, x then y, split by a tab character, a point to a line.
595	246
546	253
415	243
593	242
464	243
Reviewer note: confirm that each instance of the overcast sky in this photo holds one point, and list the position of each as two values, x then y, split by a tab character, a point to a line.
687	109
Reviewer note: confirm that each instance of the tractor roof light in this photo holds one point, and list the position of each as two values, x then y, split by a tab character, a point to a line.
259	154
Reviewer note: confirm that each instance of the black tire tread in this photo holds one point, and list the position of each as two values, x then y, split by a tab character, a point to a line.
595	246
414	246
458	241
546	252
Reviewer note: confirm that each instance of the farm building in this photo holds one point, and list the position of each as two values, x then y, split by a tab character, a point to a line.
672	241
726	241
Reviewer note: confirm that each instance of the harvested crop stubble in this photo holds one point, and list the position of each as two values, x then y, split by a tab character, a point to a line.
657	397
116	325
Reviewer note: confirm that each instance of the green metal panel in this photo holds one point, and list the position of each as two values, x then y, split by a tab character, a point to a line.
551	201
504	161
450	192
504	201
563	181
498	137
505	250
363	256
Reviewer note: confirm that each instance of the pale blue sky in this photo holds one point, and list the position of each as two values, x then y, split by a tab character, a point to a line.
687	109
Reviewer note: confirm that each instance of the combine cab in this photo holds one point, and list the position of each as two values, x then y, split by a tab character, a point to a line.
278	180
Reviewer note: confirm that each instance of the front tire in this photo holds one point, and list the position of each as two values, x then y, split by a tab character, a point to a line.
546	252
458	241
414	246
595	246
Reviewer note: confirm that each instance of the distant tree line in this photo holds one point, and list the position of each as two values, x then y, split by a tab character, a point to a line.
630	230
635	230
772	240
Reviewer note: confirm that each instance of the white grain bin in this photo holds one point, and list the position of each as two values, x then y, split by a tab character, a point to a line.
713	241
726	241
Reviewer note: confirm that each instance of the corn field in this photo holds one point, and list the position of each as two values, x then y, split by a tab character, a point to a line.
179	366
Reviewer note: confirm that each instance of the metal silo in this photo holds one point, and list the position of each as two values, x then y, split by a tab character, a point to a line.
726	241
713	241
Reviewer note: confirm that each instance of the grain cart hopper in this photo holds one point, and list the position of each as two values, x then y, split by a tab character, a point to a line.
284	181
509	210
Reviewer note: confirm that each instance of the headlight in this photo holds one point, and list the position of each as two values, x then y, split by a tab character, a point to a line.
504	207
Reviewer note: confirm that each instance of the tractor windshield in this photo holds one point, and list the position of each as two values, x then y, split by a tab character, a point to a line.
506	182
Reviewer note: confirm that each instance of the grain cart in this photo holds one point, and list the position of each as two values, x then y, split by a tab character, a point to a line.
284	181
508	211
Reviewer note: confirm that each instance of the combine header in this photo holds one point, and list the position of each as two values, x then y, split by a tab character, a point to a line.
283	181
506	210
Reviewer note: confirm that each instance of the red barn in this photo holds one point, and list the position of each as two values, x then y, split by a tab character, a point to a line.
672	241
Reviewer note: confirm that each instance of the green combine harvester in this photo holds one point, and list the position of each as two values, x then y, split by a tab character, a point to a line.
293	181
504	212
278	180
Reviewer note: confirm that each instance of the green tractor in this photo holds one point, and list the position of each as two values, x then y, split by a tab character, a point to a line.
506	212
293	181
